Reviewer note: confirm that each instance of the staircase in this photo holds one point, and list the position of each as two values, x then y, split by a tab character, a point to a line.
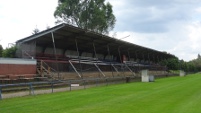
45	71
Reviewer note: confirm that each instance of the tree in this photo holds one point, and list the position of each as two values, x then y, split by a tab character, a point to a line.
171	63
9	52
93	15
35	31
1	50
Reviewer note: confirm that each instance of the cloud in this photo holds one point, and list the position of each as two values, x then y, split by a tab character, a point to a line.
165	25
150	16
19	18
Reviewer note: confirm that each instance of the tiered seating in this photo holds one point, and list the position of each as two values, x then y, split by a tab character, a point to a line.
42	56
11	78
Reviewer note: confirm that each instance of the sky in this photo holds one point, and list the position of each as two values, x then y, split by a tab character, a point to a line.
173	26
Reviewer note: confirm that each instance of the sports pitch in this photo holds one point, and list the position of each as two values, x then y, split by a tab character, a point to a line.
165	95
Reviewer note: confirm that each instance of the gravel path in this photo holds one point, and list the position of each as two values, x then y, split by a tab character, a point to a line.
43	91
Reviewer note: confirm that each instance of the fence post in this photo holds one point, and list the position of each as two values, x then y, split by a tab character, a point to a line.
0	93
31	90
84	84
106	82
70	85
52	86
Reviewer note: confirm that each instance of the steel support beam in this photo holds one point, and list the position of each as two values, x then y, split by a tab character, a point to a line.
108	49
78	54
75	69
99	69
129	69
115	69
55	52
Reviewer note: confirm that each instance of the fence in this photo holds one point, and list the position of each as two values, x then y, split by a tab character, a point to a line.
33	88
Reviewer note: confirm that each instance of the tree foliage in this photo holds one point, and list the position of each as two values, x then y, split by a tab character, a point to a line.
176	64
171	63
196	63
35	31
9	52
93	15
1	50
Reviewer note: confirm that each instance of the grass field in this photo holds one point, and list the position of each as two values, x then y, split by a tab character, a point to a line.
166	95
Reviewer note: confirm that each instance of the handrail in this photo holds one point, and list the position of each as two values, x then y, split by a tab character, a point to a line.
49	66
49	70
28	54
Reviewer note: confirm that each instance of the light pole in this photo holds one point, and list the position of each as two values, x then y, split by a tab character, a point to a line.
123	37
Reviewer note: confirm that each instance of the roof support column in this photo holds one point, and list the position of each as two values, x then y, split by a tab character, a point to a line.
136	56
55	52
143	58
108	50
120	54
97	61
149	58
129	55
78	54
121	60
153	59
157	59
95	51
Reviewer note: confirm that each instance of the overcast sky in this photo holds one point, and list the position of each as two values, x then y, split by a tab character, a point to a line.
165	25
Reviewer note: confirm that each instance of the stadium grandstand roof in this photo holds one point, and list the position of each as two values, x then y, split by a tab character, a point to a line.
65	36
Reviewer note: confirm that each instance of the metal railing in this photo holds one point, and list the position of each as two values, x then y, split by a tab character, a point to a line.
33	88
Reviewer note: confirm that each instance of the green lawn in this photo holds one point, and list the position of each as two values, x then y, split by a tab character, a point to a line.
166	95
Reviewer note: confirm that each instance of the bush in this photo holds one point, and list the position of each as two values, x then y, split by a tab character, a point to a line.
9	52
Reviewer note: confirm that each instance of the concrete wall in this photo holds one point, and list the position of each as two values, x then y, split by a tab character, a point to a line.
17	66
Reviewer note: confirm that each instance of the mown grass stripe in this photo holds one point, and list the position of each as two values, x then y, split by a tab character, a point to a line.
166	95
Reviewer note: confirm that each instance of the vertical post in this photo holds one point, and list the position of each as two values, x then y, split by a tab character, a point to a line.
129	55
70	85
137	60
41	68
157	59
55	52
95	51
96	82
149	58
84	84
0	93
108	49
119	54
143	57
78	56
52	86
97	61
120	58
154	60
106	82
31	90
136	55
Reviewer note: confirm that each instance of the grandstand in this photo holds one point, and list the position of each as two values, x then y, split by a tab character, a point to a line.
66	52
